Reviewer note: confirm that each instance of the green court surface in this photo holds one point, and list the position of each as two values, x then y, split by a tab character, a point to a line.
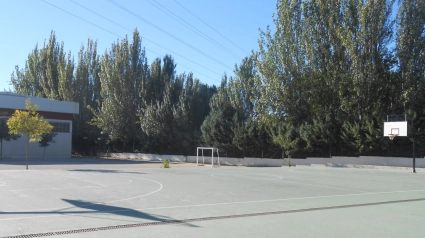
92	198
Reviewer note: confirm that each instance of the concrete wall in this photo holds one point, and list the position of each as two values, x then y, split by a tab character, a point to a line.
145	157
362	160
254	162
60	149
258	162
250	162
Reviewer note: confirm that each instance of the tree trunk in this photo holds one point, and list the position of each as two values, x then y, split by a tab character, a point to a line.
289	160
26	152
44	151
330	151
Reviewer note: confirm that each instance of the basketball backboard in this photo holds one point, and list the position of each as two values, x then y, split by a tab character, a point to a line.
398	128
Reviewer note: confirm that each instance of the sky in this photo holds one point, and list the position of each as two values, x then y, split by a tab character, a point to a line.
204	37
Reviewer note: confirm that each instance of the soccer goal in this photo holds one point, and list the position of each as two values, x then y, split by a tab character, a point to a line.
217	164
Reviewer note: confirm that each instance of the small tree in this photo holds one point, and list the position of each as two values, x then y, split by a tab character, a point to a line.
5	135
30	124
45	141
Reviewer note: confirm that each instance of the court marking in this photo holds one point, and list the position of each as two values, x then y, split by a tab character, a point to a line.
65	188
200	219
84	180
361	176
215	204
282	179
97	203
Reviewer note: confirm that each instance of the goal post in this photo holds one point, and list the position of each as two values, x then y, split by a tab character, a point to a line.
203	158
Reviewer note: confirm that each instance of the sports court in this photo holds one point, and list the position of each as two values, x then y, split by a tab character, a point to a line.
98	198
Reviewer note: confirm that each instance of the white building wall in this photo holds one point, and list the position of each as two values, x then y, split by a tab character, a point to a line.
60	149
17	101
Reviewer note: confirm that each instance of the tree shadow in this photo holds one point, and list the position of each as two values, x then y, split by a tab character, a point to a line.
113	171
98	208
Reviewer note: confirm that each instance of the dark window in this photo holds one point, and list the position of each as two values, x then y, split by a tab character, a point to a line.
60	127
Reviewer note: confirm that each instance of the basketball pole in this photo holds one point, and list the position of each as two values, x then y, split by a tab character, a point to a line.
414	157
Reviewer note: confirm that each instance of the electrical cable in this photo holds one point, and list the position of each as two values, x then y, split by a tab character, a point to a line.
193	14
169	34
192	28
145	38
130	31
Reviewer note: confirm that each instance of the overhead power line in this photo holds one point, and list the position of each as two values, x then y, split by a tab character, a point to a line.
193	14
187	67
153	42
169	34
191	27
119	36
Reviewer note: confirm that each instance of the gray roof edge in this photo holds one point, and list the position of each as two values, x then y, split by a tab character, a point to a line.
17	101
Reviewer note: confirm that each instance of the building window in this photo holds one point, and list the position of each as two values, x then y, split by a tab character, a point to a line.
60	127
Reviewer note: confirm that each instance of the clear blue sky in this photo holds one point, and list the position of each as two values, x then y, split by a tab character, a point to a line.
25	23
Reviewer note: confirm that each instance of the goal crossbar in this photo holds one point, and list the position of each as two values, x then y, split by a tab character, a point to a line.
212	155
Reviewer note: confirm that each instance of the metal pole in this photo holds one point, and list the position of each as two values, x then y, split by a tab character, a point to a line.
197	154
414	159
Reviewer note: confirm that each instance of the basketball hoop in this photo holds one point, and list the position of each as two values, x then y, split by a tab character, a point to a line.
392	136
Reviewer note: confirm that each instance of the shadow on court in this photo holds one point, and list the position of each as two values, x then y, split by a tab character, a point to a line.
95	208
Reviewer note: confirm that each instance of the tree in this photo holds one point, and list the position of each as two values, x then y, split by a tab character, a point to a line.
45	141
86	91
411	58
48	72
282	62
123	76
5	135
29	124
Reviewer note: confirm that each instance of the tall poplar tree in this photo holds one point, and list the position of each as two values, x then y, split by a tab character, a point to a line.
86	89
411	60
281	62
122	76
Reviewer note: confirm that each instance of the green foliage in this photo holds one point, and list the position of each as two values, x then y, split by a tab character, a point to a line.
411	57
323	79
122	76
327	64
30	124
165	164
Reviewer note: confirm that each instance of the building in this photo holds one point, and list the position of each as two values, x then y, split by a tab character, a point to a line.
58	113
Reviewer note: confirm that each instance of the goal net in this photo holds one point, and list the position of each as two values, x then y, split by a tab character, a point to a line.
215	161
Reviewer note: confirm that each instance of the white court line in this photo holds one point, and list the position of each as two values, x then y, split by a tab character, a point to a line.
216	204
37	189
102	185
308	184
367	177
65	188
224	176
97	203
324	186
